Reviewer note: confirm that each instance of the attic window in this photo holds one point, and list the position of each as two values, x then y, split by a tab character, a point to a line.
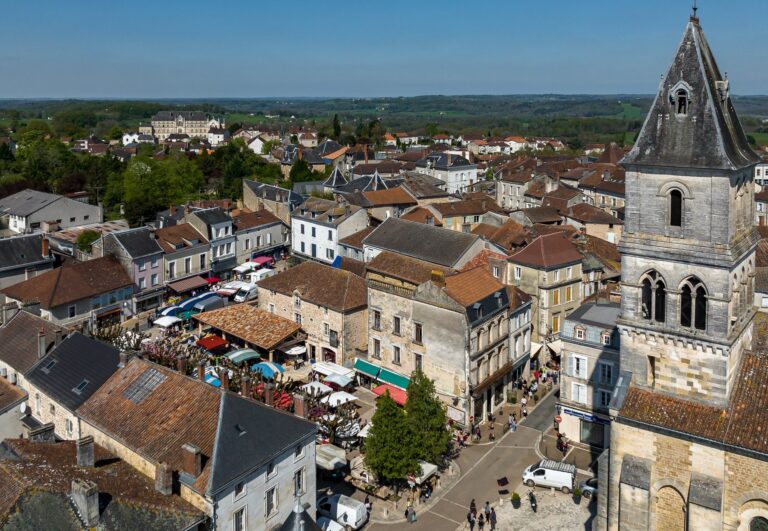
81	387
681	101
49	366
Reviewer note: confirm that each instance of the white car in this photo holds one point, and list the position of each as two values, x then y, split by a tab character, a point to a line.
344	510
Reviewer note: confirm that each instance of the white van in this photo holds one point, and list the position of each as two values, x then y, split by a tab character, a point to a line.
345	510
247	293
261	274
550	473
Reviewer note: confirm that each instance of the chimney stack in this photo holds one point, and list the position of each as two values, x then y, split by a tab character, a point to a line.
181	365
224	378
438	278
85	451
201	371
125	357
40	344
269	394
164	479
85	495
300	405
46	248
191	460
9	309
42	433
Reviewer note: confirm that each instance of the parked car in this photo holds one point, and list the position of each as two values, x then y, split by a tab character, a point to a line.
344	510
247	293
550	473
261	274
209	304
588	487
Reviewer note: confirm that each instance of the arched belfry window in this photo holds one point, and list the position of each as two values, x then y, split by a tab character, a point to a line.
681	102
693	304
680	98
676	208
758	524
654	297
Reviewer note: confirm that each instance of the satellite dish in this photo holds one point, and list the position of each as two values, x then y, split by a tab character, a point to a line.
23	407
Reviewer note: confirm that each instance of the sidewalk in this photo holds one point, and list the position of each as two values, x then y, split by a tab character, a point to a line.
581	455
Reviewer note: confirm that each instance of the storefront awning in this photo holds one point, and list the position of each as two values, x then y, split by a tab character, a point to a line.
398	395
188	284
369	369
555	346
398	380
212	342
535	348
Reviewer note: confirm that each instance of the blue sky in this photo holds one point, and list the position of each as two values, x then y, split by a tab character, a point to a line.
159	49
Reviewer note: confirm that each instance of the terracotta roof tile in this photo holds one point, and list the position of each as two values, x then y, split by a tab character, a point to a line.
72	282
356	240
246	322
761	254
471	286
249	220
420	215
390	196
322	285
547	251
404	267
169	237
467	207
587	213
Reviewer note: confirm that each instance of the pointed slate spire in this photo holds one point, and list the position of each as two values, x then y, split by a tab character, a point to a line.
335	179
692	122
377	183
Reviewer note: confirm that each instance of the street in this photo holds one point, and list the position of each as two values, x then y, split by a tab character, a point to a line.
481	466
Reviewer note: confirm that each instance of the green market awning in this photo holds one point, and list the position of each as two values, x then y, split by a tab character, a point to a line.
369	369
392	378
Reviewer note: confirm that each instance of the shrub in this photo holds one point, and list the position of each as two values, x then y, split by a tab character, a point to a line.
577	492
515	497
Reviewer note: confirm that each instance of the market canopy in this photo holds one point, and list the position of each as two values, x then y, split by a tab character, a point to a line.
398	395
243	354
187	315
326	368
212	342
330	457
316	388
338	379
267	368
261	260
212	280
390	377
338	398
188	284
427	471
296	351
167	321
369	369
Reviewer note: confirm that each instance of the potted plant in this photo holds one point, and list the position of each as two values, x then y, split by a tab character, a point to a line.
535	398
577	495
515	500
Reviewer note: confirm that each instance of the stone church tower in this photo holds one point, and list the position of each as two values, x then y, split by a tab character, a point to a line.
681	429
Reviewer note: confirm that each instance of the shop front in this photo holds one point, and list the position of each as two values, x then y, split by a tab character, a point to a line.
586	428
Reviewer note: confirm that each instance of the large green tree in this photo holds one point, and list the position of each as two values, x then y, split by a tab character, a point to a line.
388	450
426	419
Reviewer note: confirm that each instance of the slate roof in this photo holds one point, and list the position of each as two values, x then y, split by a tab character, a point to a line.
542	214
322	285
26	202
246	322
19	339
326	147
212	216
324	210
368	183
423	186
250	435
78	359
274	193
22	251
137	242
424	242
335	179
547	251
404	268
740	424
602	314
165	116
444	161
36	479
710	135
72	282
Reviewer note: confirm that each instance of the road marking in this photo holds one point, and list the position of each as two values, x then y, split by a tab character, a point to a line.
505	446
453	502
444	517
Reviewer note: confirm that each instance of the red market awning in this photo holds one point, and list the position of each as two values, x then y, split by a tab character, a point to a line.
213	280
398	395
212	342
262	260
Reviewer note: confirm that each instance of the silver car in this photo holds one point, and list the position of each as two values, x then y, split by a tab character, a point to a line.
588	487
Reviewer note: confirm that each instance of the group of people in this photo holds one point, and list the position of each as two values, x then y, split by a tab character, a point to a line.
488	516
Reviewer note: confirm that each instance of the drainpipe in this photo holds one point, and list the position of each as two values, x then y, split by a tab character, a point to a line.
467	372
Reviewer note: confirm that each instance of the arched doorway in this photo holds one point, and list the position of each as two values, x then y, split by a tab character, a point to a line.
670	510
329	355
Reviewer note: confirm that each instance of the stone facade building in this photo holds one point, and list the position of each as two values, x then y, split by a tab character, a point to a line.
687	445
190	123
330	305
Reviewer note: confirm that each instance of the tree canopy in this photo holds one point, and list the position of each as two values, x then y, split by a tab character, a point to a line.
427	419
388	451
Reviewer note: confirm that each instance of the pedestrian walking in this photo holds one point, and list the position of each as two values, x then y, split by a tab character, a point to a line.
491	436
512	424
478	434
492	519
471	521
525	413
411	514
524	401
472	506
368	505
487	510
481	523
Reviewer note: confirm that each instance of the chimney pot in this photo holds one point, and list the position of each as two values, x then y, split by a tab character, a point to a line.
247	386
85	451
46	248
224	378
438	278
269	394
85	495
201	371
192	460
181	365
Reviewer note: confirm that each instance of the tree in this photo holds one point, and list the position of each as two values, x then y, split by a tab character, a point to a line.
85	240
300	171
427	419
388	451
336	127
